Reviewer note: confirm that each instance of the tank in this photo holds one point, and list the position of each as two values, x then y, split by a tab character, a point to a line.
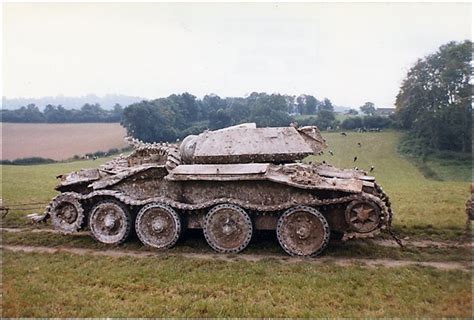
230	183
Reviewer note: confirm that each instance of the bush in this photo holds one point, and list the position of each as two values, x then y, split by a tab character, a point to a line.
352	123
99	154
377	122
113	151
28	161
368	122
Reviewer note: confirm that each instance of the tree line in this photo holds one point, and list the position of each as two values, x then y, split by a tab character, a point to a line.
176	116
434	101
58	114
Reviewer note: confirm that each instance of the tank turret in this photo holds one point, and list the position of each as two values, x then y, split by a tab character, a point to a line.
246	143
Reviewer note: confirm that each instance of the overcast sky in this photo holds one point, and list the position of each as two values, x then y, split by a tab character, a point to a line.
351	53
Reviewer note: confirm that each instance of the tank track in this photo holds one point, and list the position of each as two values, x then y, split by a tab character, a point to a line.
261	208
385	198
168	150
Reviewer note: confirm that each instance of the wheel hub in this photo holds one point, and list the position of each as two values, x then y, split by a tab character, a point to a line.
228	229
68	214
109	221
303	232
158	225
363	215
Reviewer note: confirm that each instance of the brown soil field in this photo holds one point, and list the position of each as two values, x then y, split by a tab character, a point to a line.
58	141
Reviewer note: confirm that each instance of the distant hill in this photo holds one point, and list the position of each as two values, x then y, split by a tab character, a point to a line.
106	102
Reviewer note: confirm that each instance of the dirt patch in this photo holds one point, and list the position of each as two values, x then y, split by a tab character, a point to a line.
422	243
242	257
378	242
58	141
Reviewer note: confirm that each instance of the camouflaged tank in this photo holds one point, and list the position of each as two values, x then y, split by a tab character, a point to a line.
229	183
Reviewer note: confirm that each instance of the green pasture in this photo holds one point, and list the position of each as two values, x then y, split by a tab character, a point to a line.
63	285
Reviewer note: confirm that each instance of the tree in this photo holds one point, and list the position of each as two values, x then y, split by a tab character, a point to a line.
311	105
326	119
269	110
434	101
307	104
220	119
353	112
58	114
326	105
368	108
150	121
117	112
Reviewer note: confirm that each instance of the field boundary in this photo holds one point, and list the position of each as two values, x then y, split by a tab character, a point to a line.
343	262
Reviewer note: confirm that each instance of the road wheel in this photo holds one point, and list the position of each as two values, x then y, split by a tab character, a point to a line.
303	231
158	226
110	222
227	228
67	214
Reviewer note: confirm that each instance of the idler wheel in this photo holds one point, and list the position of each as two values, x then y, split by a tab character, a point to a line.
110	222
158	226
67	214
227	228
303	231
363	216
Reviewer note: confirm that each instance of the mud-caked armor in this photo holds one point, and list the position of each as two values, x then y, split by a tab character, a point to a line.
230	183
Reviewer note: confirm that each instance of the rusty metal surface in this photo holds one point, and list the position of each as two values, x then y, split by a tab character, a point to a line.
227	182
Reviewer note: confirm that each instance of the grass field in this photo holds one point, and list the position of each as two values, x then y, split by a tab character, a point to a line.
63	285
67	285
58	141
